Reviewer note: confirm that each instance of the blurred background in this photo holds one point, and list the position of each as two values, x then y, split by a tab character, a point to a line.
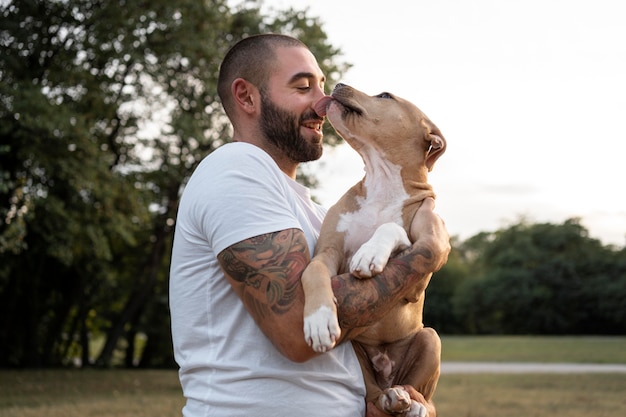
106	108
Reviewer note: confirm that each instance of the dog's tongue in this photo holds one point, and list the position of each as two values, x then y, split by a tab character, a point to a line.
322	105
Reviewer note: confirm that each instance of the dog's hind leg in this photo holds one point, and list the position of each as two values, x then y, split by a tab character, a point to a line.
414	361
422	366
373	386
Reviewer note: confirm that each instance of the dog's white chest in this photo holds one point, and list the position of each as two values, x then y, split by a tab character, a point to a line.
383	203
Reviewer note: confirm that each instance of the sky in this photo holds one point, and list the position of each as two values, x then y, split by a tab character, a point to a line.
530	96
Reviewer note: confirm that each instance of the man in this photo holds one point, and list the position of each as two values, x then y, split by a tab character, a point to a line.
245	232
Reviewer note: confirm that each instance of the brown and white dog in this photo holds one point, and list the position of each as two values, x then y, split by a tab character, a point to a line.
370	223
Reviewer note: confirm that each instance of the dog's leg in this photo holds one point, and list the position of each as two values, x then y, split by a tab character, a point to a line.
372	386
414	361
321	327
378	373
421	369
423	372
374	254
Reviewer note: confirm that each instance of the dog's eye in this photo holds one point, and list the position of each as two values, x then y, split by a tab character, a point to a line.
384	95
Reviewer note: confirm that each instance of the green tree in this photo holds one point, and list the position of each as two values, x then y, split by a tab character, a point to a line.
544	279
438	305
106	107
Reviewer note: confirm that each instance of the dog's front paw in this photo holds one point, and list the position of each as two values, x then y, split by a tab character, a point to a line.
369	260
321	329
373	255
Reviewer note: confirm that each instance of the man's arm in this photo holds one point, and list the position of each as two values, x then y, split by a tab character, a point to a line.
265	272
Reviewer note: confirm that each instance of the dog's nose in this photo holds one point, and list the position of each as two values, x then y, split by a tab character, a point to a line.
338	86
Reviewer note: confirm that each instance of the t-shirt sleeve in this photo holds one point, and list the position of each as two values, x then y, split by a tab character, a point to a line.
241	195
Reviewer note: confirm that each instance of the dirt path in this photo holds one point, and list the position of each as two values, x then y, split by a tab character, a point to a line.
528	367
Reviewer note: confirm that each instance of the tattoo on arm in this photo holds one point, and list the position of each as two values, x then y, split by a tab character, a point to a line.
362	302
268	269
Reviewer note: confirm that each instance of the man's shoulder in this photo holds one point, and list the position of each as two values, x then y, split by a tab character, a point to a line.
236	166
239	149
237	156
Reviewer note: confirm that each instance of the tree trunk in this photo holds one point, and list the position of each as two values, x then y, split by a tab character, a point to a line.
139	297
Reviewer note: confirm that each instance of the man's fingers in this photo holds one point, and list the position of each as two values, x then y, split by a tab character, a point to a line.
373	411
428	204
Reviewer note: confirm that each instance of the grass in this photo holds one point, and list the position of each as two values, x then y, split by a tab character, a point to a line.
588	349
531	395
148	393
88	392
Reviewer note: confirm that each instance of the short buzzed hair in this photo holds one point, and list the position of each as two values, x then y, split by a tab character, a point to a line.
251	59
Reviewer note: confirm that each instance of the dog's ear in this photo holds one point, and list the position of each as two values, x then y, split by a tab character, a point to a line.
437	148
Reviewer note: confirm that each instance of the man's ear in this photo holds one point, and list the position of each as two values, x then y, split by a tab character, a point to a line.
245	95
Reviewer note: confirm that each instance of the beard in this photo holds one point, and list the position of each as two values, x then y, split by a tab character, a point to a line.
282	129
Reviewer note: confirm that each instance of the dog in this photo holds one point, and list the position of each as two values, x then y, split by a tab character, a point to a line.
371	222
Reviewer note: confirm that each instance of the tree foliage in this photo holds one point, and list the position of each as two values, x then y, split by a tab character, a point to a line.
539	279
106	107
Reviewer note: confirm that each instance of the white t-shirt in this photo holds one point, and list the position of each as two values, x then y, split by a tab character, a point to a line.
227	365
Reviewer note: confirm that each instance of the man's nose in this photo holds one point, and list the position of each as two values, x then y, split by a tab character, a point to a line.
319	93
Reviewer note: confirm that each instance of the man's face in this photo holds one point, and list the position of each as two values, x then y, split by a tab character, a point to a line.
282	128
288	119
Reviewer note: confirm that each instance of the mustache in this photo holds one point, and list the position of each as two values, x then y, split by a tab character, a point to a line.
310	115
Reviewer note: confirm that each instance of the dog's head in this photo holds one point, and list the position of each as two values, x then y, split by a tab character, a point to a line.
384	123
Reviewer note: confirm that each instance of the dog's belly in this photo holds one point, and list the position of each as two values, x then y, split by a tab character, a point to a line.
402	321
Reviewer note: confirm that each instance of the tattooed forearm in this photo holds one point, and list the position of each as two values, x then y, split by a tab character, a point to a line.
363	301
268	269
